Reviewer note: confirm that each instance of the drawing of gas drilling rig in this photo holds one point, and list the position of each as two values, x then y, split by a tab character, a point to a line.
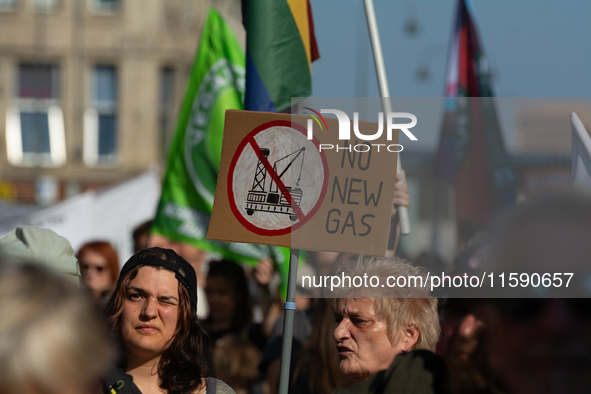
277	200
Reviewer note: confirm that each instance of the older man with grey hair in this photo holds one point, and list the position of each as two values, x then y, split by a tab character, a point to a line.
388	324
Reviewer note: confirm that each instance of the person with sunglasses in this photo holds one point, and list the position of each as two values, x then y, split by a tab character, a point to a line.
99	269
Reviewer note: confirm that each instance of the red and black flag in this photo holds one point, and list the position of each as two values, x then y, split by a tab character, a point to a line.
471	154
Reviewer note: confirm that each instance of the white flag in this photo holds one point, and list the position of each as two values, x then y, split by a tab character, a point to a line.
107	215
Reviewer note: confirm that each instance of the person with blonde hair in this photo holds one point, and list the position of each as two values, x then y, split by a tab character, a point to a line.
378	322
51	338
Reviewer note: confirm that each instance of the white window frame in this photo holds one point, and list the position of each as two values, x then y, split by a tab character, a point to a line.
57	138
90	145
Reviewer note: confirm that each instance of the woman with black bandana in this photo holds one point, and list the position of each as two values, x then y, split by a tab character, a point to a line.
153	318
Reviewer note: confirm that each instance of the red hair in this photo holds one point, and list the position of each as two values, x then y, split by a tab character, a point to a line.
107	251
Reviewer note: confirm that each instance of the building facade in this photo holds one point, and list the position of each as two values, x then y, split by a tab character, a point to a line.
90	89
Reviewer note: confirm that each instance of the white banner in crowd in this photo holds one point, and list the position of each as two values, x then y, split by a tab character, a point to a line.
107	215
581	153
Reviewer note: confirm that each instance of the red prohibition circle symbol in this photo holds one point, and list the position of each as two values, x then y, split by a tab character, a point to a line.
250	141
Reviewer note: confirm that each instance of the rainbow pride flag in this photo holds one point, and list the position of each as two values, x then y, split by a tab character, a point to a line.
280	49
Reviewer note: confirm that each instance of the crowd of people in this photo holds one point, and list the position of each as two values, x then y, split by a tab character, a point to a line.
173	320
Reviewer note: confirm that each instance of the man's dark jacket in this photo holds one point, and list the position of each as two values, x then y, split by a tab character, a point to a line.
418	372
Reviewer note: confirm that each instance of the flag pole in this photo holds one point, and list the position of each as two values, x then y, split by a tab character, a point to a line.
372	26
288	316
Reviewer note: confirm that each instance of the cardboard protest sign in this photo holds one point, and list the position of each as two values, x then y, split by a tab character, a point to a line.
288	182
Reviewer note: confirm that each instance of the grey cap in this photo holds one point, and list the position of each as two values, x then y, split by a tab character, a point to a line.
32	244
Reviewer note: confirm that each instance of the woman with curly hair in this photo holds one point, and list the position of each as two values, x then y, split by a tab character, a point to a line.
153	317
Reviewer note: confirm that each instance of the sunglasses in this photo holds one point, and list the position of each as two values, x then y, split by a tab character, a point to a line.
97	268
522	309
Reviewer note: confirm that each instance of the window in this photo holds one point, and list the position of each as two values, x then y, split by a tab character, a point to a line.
106	6
100	120
166	108
8	5
34	120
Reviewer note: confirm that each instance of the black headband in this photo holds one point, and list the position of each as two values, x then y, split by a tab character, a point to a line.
183	271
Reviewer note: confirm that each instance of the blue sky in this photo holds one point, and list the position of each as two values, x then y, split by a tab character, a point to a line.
537	48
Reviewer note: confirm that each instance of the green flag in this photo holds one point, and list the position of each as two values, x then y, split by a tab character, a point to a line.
216	84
